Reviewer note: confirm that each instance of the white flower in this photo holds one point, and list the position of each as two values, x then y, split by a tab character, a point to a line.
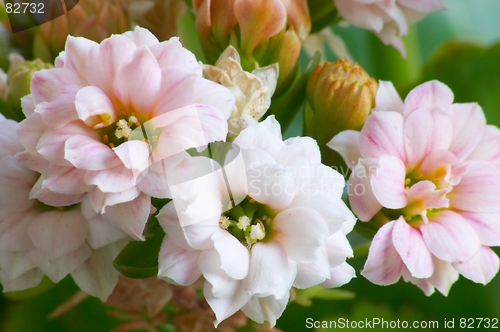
287	230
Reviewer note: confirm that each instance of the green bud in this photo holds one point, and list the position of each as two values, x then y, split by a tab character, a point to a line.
19	77
340	96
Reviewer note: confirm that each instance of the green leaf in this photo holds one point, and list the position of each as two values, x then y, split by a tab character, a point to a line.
139	259
45	285
472	72
304	296
288	105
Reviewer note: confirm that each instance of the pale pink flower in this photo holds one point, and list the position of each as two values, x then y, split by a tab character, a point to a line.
428	170
388	19
287	231
109	111
38	239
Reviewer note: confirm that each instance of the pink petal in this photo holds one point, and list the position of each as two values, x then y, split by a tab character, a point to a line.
346	144
234	257
171	53
488	147
65	180
411	247
213	122
429	94
449	237
271	272
486	225
27	280
45	82
479	188
77	55
382	134
34	162
178	265
15	263
61	110
29	132
363	202
424	284
106	60
14	230
426	130
387	98
388	182
423	6
87	153
383	265
101	231
57	233
481	268
141	36
302	232
99	200
212	93
469	124
362	15
16	182
177	89
97	276
422	196
444	276
52	143
58	268
134	155
10	144
94	107
137	84
131	216
112	180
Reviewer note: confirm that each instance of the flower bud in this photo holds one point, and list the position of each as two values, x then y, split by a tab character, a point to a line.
158	16
340	97
263	32
19	76
92	19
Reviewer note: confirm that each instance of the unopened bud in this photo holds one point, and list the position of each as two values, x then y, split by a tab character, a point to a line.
340	97
19	77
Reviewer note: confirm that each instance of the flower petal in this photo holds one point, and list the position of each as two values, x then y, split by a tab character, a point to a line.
234	257
388	182
302	232
271	272
383	265
363	202
429	94
486	225
131	216
97	275
481	268
479	188
444	276
57	233
339	275
412	249
346	144
225	307
177	265
382	134
387	98
449	237
87	153
269	308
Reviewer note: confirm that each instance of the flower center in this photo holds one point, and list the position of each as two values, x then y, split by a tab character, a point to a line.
249	222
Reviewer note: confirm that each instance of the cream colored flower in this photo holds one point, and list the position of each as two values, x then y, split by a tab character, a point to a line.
252	91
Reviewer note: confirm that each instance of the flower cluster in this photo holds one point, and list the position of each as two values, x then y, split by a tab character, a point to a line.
429	172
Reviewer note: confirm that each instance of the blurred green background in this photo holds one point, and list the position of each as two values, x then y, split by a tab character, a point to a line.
460	47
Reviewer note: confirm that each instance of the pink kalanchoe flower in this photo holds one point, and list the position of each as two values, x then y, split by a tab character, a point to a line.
38	239
287	230
109	111
388	19
428	170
